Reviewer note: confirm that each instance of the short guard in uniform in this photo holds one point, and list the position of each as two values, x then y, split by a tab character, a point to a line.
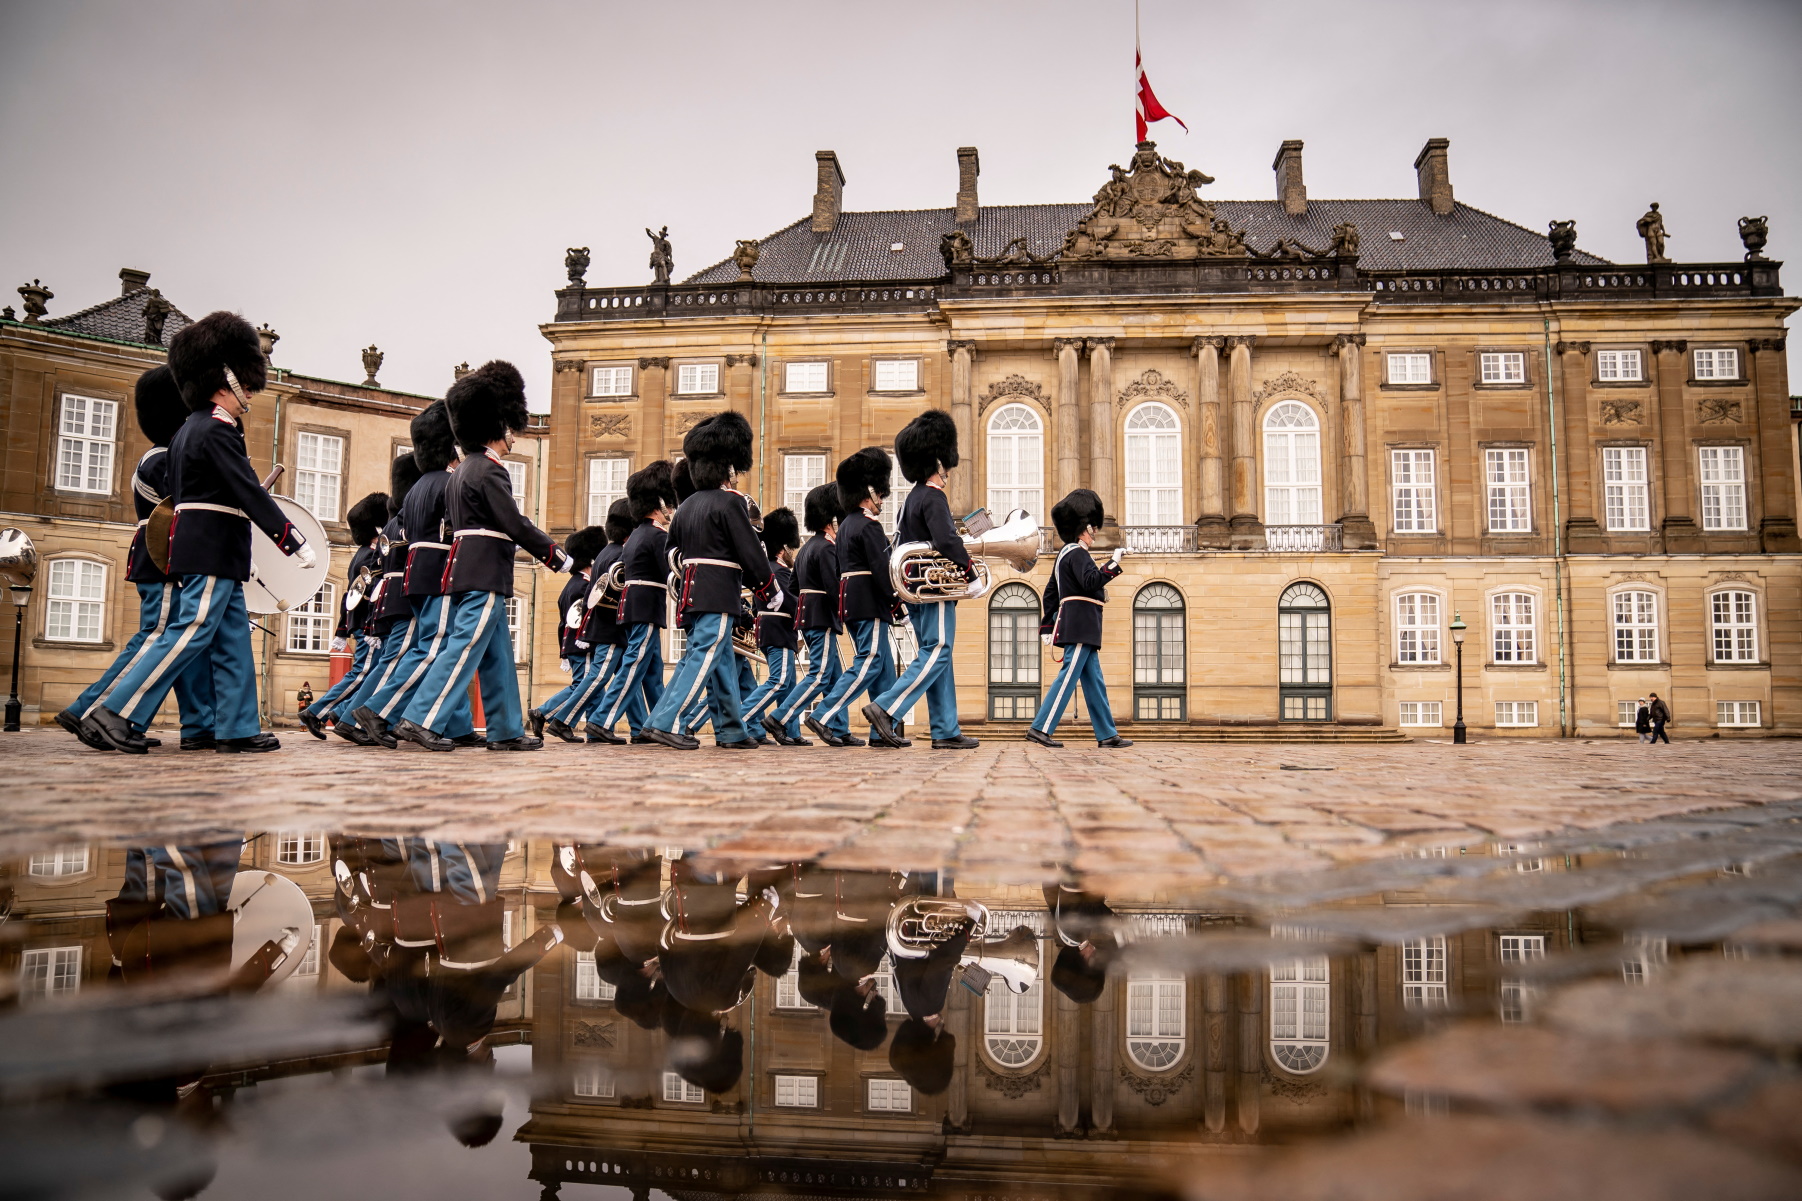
637	685
776	627
927	448
816	581
866	598
572	614
487	408
218	361
391	615
160	414
601	632
1073	613
355	609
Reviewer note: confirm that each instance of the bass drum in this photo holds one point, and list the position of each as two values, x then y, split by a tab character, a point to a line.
268	908
279	582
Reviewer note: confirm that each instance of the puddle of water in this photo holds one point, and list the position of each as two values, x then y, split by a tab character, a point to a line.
280	1013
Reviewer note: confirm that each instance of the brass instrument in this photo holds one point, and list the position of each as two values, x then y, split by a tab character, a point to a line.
353	596
156	533
744	642
18	558
919	925
921	575
608	586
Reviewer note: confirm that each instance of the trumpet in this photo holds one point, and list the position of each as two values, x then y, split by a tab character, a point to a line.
921	575
920	925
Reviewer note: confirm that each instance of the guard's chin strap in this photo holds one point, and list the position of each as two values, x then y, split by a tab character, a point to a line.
231	380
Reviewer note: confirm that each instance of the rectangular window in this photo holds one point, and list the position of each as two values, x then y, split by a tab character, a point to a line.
77	601
318	473
1624	488
516	629
84	459
589	985
1723	487
309	625
883	1095
1636	627
516	474
1410	368
309	963
1717	364
299	849
1423	972
606	484
804	377
1735	627
1511	620
1507	367
1517	713
1510	499
1619	366
1516	994
1626	713
591	1079
801	474
1736	713
798	1092
677	1089
697	379
612	381
1421	713
1417	627
49	972
891	508
788	986
897	375
1416	507
64	861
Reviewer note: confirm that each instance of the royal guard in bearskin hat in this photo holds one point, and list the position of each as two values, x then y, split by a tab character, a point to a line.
816	581
353	629
218	362
776	627
601	640
572	615
866	599
391	615
487	409
637	684
1073	611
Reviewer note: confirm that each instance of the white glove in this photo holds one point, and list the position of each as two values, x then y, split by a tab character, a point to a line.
1045	638
306	555
1119	553
338	644
582	646
775	601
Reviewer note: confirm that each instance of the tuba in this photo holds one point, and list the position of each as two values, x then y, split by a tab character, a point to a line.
920	925
744	641
359	588
607	587
921	575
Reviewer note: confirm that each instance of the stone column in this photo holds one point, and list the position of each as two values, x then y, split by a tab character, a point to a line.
1101	426
741	384
1067	425
1103	1038
566	495
1247	530
653	387
957	1097
1776	456
1068	1037
1210	526
1217	1057
961	489
1251	1050
1680	531
1581	533
1356	530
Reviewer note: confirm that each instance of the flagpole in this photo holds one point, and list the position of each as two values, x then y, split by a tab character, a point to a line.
1137	64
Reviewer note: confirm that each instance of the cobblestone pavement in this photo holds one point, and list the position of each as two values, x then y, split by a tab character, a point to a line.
1192	813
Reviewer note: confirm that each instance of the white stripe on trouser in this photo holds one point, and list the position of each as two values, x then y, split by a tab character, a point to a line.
706	667
775	685
174	652
187	878
405	646
425	664
162	623
475	874
870	661
923	681
1072	669
596	673
450	684
372	653
630	684
812	684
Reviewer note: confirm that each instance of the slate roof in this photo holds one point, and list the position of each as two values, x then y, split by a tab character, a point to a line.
121	318
858	249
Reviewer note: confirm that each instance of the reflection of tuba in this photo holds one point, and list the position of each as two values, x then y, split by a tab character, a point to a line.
18	558
921	575
919	925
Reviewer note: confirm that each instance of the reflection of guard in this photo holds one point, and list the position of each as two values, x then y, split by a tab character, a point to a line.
1073	620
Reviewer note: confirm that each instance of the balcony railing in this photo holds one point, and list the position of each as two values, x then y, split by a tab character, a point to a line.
1159	539
1301	538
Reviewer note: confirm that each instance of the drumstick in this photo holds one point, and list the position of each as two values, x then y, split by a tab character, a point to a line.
276	474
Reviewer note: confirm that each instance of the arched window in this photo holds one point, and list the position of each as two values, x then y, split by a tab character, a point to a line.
1016	461
1154	466
1013	653
1013	1023
1299	1020
1304	653
1158	660
1154	1019
1291	465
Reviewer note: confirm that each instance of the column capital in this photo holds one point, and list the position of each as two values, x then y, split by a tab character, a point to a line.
953	345
647	363
1765	343
562	365
1234	341
1205	341
1096	344
747	360
1341	341
1059	345
1577	348
1677	346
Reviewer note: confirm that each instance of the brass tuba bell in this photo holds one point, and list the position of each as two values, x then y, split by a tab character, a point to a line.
18	558
920	925
921	575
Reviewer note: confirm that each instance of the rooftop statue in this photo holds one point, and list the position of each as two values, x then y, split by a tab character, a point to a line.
1152	208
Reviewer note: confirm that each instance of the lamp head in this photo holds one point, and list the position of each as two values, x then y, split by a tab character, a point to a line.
1458	627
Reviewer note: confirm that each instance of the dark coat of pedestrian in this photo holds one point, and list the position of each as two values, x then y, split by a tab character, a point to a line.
1661	716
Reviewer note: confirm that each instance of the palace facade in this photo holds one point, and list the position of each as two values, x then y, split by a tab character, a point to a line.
1345	442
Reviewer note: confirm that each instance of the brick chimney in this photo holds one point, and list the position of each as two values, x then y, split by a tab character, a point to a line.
131	279
968	168
828	193
1289	187
1435	175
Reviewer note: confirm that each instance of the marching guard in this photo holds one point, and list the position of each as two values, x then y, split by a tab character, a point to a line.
866	598
637	684
1073	612
776	627
391	617
365	521
572	610
602	634
816	583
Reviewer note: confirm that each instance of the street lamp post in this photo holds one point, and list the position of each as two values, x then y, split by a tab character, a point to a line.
21	596
1458	628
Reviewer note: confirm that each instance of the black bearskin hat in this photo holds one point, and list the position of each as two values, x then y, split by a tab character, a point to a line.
486	403
921	1058
1076	513
703	1051
367	517
716	447
201	352
860	1022
1077	978
403	473
161	409
434	446
823	507
649	489
926	444
862	473
780	530
619	520
682	480
584	545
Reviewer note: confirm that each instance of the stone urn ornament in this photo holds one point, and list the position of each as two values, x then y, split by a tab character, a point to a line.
36	295
267	338
1563	236
372	363
745	255
575	262
1753	233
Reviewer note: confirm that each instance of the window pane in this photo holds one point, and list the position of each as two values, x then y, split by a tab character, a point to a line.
804	377
897	375
606	484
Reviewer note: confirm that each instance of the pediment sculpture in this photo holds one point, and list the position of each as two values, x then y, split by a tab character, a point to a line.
1153	208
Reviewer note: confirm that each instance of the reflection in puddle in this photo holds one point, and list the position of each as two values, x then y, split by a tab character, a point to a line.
1622	1009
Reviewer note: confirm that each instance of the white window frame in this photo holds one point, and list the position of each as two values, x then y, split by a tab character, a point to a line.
1738	713
1424	972
1626	714
87	433
1409	367
1508	475
612	380
1156	1019
801	474
307	628
588	983
319	473
681	1091
1516	714
1502	367
606	484
1722	472
591	1078
1413	475
697	379
1626	490
788	985
46	973
1417	627
1294	491
519	478
519	629
75	601
1013	1024
809	377
1633	616
1733	625
885	1094
308	968
1301	1014
1154	466
796	1091
1516	995
1620	366
299	848
1016	461
1422	713
903	375
891	505
1514	627
58	863
1718	363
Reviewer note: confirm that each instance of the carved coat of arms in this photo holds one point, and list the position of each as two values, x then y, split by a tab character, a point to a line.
1153	208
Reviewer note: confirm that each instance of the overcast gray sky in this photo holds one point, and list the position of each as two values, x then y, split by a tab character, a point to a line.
410	173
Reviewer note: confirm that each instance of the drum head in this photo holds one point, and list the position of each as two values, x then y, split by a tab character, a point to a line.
269	907
279	582
156	534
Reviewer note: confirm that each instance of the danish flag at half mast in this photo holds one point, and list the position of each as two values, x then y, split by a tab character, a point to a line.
1147	107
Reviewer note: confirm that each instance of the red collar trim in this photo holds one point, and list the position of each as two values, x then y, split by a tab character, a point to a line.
220	414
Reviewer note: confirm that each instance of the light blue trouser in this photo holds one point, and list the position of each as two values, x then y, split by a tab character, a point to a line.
431	630
823	671
700	712
707	663
872	669
578	668
395	644
1082	664
481	646
770	694
603	664
363	655
638	683
929	676
193	688
208	625
192	881
468	871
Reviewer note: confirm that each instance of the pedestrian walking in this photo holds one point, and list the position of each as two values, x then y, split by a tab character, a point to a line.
1642	721
1660	714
